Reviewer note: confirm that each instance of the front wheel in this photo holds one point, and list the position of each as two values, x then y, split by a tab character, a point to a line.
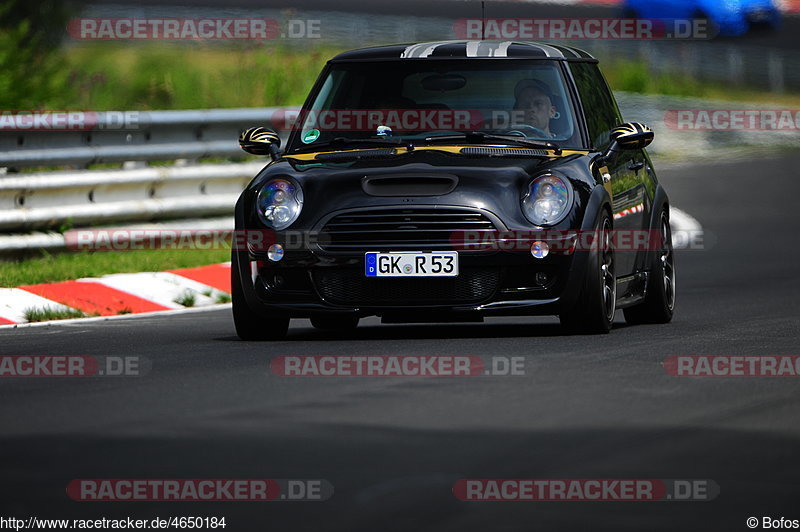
659	303
249	325
594	311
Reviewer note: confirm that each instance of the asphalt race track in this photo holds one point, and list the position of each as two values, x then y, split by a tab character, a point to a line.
587	407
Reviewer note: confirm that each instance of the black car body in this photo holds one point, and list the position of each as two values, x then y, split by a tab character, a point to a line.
349	198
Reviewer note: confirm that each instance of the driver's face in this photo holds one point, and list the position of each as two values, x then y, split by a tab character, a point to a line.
537	108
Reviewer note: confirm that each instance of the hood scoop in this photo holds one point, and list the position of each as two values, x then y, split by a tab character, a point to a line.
409	184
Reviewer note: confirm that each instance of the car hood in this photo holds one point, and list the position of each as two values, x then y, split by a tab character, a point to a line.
494	183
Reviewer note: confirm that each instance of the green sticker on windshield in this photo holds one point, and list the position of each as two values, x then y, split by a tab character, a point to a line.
311	136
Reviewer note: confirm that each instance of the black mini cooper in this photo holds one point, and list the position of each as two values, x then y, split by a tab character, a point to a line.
449	181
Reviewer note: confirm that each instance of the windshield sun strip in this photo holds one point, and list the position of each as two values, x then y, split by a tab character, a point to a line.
401	150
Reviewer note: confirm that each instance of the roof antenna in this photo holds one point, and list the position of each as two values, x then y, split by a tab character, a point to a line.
483	20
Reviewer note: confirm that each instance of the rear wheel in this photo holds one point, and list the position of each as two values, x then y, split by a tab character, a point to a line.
335	323
659	303
249	325
594	311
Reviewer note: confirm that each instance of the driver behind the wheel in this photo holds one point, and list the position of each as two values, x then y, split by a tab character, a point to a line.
533	105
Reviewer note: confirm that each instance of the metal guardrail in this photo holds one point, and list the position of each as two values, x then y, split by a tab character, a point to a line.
38	201
139	136
137	193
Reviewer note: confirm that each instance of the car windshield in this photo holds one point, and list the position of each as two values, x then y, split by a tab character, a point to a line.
428	101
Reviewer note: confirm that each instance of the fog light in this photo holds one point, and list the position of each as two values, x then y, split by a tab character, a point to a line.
275	252
540	249
541	278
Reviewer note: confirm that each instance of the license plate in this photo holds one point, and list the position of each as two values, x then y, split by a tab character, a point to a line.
411	264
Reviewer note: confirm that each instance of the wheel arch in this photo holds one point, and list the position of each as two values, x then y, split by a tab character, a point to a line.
599	201
660	201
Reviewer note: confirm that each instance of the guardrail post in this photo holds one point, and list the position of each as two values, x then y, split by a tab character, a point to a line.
735	66
777	82
688	60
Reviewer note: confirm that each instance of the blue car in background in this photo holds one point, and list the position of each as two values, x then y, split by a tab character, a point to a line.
727	17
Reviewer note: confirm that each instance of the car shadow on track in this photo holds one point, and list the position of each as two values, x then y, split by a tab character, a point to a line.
303	331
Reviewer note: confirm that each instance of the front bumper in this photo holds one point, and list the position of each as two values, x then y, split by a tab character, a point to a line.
306	283
497	281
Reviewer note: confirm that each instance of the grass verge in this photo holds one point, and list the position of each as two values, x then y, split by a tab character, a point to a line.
45	314
187	299
636	76
145	76
69	266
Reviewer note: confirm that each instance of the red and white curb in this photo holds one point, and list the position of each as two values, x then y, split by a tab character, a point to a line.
120	294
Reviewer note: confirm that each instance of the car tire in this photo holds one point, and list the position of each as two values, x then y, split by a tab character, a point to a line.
659	303
335	323
251	326
594	311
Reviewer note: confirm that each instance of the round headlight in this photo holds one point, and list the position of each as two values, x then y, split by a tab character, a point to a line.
279	203
547	200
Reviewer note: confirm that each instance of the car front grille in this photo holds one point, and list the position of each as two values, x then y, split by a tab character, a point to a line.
401	229
352	287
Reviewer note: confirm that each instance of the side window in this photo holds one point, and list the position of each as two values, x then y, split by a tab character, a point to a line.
599	105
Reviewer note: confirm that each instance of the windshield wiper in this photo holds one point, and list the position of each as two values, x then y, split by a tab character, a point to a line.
340	142
480	136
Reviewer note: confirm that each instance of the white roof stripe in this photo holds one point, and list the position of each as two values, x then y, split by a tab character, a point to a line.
422	50
476	49
487	49
502	50
549	50
429	50
472	48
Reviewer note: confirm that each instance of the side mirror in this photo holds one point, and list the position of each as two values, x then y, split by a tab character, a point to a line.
628	136
260	141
